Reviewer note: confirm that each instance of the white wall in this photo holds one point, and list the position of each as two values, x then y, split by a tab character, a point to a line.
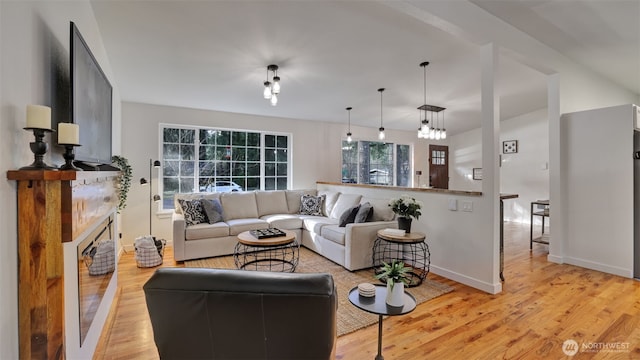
599	189
465	153
316	152
524	173
34	61
458	248
577	90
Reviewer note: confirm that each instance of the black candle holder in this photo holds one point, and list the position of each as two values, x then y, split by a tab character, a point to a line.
69	156
39	148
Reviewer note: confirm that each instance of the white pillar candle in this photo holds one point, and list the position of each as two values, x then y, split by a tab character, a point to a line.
68	133
38	117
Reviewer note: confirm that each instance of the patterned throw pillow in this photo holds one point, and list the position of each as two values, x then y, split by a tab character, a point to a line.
193	211
213	210
311	205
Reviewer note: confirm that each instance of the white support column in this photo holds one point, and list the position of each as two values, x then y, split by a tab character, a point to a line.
558	233
490	150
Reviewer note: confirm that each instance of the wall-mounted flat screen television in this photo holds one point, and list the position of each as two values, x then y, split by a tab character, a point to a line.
91	96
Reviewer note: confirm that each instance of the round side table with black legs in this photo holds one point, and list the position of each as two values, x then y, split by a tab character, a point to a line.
377	305
410	248
279	253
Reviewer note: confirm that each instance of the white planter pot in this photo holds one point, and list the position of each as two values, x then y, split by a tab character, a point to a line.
395	296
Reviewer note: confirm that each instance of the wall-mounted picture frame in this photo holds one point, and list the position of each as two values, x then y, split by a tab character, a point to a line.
477	173
510	147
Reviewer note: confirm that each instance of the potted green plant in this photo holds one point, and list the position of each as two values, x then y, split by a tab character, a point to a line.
124	179
396	275
406	207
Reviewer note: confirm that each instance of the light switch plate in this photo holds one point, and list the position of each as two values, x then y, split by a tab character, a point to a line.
453	204
467	206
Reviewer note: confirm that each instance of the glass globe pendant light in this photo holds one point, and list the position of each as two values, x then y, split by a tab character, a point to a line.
349	139
381	134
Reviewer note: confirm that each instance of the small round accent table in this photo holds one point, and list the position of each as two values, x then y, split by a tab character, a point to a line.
377	305
409	248
268	254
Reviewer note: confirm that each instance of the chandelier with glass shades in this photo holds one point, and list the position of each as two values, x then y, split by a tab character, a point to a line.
429	127
272	88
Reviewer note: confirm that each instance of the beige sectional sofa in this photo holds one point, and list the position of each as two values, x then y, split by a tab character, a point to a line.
349	246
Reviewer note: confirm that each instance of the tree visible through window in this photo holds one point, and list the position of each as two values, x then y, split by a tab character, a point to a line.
367	162
209	160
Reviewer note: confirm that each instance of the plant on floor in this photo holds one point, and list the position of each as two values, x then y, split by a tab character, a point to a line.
394	273
124	179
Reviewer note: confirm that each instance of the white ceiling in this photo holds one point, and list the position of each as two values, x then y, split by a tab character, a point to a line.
334	54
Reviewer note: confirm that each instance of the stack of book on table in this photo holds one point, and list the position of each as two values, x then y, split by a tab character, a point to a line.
267	233
393	232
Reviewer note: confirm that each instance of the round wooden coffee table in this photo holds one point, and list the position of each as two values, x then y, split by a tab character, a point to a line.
267	254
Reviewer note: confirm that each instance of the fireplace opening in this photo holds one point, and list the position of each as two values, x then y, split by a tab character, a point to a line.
96	264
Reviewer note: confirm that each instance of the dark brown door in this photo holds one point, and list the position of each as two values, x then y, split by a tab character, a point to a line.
439	166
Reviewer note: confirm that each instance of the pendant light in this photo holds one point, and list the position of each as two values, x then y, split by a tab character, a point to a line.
420	133
381	135
437	136
429	128
267	90
349	139
272	88
443	134
432	130
424	125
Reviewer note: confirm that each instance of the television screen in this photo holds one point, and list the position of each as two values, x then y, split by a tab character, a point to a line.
91	96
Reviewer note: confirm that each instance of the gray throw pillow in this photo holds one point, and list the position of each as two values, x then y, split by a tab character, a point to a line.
365	213
311	205
348	216
213	210
193	212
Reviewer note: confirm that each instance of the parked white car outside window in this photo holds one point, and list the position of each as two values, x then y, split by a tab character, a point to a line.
221	186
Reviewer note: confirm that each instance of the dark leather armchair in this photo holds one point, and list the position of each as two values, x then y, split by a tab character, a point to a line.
234	314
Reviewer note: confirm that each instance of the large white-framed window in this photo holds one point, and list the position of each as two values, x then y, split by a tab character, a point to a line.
374	162
203	159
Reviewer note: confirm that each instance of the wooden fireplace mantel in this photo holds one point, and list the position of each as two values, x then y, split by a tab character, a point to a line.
53	207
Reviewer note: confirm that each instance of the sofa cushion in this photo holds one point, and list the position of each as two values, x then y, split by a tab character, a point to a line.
381	209
294	199
236	226
206	231
330	200
315	223
311	205
191	196
239	205
333	233
344	202
283	221
271	202
364	214
193	212
348	216
213	210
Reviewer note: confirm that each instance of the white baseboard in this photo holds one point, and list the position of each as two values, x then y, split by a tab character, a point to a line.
555	259
469	281
609	269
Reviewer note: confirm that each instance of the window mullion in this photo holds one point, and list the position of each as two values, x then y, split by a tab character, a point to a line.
196	167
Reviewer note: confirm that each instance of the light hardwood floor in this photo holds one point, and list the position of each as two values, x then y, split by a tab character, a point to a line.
542	305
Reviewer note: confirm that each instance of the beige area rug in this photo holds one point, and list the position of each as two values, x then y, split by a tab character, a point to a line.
349	317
